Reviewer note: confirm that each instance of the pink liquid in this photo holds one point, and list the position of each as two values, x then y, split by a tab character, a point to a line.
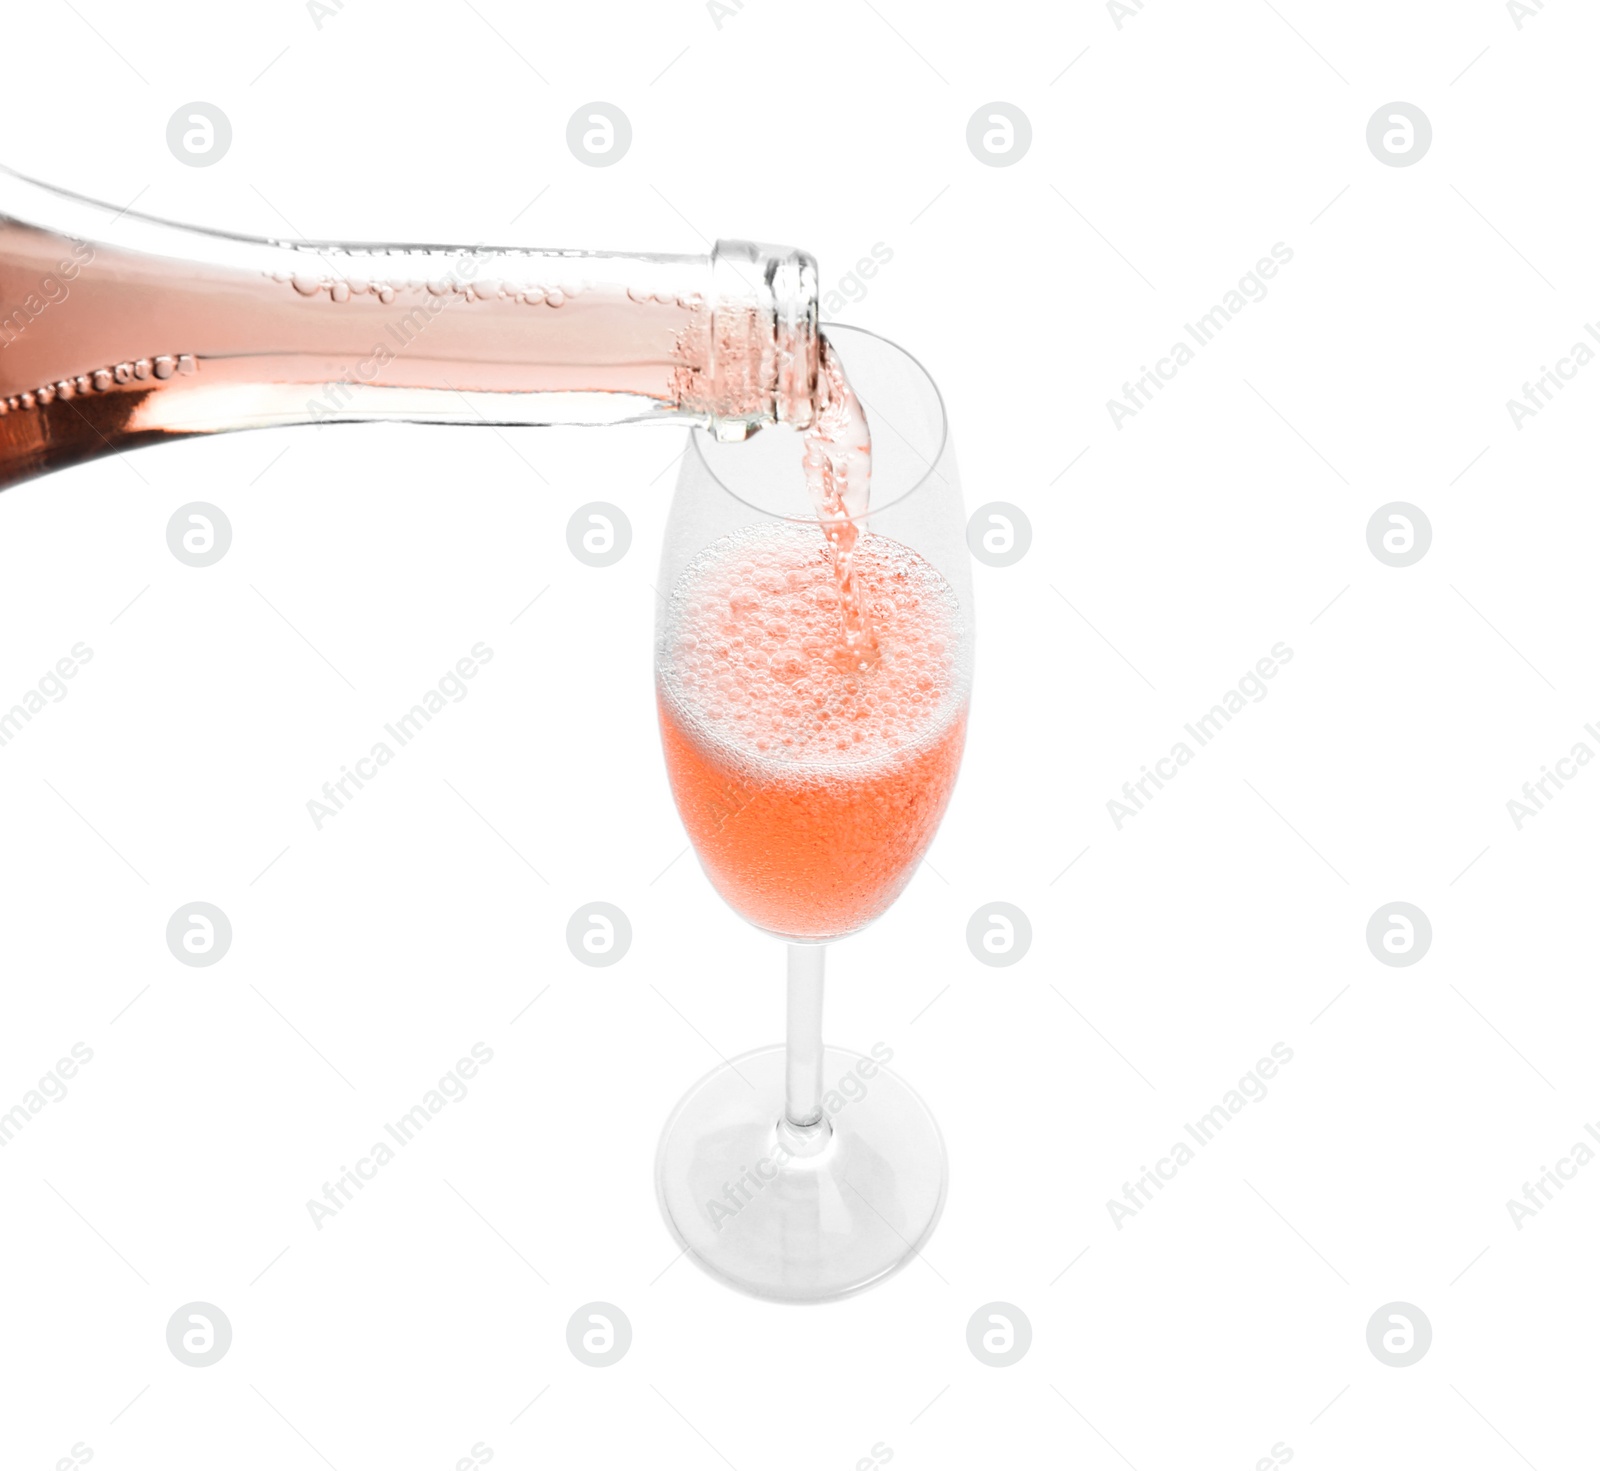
838	469
117	330
811	784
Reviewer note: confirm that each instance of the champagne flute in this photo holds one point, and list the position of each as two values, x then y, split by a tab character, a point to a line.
811	779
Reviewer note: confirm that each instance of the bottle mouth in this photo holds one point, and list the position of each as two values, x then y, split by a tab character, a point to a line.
905	413
764	353
792	280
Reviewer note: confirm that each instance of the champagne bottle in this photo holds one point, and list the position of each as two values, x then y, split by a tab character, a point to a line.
118	330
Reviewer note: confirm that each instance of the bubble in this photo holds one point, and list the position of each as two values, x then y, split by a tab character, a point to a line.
757	669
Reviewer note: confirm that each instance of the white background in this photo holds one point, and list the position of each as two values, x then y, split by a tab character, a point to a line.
1230	1315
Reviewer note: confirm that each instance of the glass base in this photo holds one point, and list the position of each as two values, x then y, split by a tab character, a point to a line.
801	1215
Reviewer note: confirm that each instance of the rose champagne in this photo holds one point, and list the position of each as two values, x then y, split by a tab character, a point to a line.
811	781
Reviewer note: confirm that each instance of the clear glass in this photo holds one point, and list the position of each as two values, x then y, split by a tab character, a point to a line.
811	791
118	330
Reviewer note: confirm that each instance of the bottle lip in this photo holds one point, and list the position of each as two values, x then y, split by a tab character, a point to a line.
765	351
793	280
840	333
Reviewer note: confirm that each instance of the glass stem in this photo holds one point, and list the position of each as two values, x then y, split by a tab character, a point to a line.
803	1090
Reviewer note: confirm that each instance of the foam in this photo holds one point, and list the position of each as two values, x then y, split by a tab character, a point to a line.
752	659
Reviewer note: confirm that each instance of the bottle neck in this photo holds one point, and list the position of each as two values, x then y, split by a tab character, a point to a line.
119	329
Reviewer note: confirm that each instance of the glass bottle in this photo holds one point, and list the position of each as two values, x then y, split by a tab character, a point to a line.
117	329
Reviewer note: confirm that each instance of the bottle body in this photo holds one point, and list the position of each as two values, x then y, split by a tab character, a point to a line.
119	330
